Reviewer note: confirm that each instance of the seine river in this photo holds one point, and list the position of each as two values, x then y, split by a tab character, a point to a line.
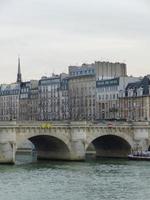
90	180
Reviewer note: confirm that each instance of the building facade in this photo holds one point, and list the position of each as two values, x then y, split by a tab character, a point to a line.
108	70
83	70
29	101
97	91
107	96
82	97
102	70
135	102
19	101
9	101
53	98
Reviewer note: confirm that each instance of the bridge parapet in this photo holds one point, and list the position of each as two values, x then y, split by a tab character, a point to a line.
75	123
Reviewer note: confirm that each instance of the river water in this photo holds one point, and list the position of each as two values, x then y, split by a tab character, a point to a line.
105	179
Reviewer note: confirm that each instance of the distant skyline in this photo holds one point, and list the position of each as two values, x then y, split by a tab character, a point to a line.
51	35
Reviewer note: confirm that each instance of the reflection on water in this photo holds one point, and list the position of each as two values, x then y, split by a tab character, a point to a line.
28	157
104	179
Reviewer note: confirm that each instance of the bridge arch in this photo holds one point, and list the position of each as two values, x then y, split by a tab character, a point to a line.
108	144
50	145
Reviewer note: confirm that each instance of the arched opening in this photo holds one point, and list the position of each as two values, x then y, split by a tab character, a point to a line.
111	146
49	147
25	146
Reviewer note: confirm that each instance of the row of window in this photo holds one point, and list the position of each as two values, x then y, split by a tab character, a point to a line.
108	97
82	72
107	89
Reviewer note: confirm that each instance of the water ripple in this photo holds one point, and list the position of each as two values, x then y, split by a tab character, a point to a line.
91	180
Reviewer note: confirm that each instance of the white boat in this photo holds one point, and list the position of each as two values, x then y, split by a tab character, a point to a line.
139	155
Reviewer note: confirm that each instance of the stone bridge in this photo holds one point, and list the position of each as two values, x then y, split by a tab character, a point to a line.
70	140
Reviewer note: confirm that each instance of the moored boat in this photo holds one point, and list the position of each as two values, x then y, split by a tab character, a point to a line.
140	155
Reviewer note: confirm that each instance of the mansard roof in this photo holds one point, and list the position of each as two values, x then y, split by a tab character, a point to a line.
144	83
133	85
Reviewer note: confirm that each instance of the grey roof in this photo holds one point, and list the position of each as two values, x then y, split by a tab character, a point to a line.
144	83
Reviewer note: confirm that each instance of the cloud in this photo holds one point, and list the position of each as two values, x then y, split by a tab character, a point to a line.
58	33
97	17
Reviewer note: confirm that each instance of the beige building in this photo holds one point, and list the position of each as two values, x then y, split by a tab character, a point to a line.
102	102
108	70
134	105
28	101
107	96
9	101
97	91
135	108
53	98
102	70
19	101
82	97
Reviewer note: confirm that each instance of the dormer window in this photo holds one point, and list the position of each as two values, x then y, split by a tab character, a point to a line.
140	91
130	92
121	93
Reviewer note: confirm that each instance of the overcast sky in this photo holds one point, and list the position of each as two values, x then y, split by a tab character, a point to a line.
49	35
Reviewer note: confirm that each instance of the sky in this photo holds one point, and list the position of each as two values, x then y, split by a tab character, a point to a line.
50	35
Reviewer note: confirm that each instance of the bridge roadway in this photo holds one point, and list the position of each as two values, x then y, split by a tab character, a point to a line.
70	140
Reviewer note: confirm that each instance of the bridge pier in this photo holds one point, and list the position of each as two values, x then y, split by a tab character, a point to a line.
141	137
7	147
78	137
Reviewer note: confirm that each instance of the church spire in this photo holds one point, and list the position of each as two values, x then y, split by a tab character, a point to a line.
19	78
